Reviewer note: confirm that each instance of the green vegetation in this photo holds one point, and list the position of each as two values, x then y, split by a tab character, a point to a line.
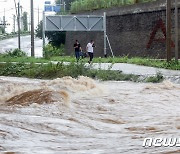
25	21
15	53
51	71
54	38
2	31
47	70
141	61
134	60
88	5
155	79
68	3
50	51
39	29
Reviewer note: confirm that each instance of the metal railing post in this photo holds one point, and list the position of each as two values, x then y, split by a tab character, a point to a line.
105	31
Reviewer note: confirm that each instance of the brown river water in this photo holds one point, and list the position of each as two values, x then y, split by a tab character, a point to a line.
86	116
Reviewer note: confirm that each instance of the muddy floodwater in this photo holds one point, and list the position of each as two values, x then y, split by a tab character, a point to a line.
86	116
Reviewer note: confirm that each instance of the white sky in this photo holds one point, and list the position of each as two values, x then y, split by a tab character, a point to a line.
9	7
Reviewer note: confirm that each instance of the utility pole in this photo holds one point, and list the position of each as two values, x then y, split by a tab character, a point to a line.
4	21
29	25
21	19
43	29
19	30
64	6
38	15
63	3
176	31
15	7
32	29
14	23
168	30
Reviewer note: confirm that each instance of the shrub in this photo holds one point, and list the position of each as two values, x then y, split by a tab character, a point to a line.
51	71
15	53
155	79
87	5
50	51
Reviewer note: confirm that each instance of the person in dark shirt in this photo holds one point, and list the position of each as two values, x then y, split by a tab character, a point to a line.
78	49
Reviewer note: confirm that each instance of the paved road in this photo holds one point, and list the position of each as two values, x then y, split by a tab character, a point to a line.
12	43
136	69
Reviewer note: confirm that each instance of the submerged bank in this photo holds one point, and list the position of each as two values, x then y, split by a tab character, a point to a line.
58	70
86	116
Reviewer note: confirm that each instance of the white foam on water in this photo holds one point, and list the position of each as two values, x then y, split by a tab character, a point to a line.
82	115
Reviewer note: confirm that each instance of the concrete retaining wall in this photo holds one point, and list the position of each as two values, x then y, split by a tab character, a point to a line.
129	29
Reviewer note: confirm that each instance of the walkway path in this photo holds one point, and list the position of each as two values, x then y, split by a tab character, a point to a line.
137	69
131	69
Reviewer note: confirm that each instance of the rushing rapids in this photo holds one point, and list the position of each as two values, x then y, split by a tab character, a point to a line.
85	116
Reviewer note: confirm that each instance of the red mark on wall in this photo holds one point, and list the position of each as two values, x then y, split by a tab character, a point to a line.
160	25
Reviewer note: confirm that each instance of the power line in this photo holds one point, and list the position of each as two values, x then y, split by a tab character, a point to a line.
11	9
8	10
30	8
34	9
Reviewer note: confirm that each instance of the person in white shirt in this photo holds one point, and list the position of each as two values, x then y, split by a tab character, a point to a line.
90	50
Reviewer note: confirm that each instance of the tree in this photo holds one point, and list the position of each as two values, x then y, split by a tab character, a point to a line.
25	23
2	30
55	38
68	3
39	30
